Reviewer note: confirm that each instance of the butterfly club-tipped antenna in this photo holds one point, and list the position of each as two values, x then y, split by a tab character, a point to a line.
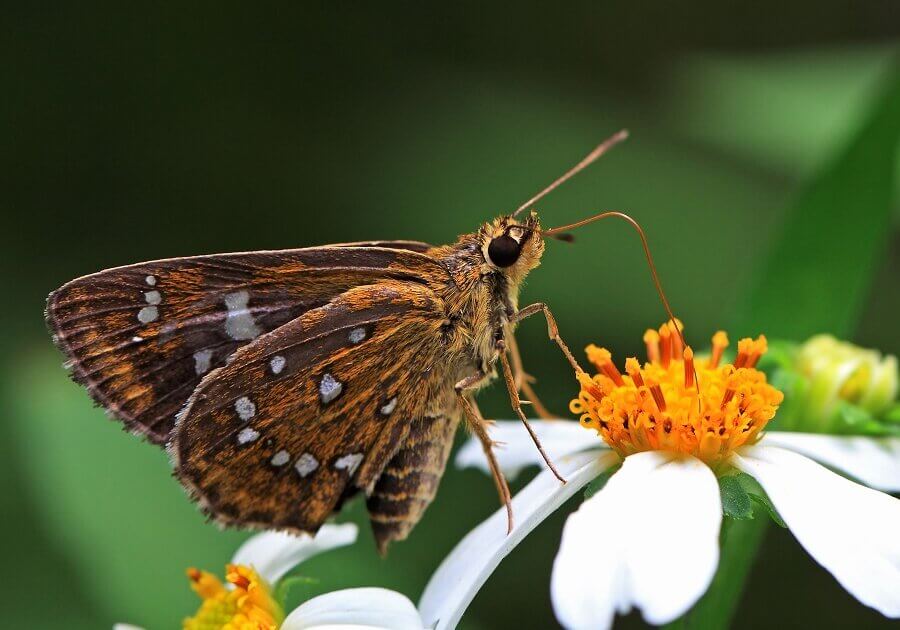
589	159
615	214
562	233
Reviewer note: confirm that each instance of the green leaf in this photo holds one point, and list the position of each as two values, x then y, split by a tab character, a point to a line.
288	582
735	500
759	497
795	387
781	353
740	494
835	233
892	414
764	502
599	482
854	420
104	490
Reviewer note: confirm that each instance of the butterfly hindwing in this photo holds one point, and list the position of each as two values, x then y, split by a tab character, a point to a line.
306	415
141	337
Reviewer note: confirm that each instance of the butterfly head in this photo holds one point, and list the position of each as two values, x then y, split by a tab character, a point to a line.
513	246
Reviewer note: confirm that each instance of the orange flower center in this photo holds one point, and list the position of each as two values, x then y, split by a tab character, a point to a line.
702	407
250	605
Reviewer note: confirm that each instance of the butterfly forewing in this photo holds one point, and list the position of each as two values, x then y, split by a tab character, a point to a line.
304	416
141	337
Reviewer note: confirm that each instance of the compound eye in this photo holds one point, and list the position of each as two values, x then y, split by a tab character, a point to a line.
504	250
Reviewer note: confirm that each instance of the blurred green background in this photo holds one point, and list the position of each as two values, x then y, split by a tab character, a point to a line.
133	134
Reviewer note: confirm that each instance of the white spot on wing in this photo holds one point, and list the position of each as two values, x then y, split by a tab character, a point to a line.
153	297
357	335
148	314
202	360
247	435
329	388
137	339
277	364
151	280
349	463
305	464
245	408
239	322
281	458
389	406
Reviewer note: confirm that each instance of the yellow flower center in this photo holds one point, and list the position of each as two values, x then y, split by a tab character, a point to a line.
703	407
247	606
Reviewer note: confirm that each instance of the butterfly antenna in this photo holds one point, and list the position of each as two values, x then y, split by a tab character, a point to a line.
653	272
589	159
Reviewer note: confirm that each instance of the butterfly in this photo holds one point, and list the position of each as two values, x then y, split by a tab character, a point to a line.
284	382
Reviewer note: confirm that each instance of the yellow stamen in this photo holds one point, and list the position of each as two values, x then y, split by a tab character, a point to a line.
250	605
656	406
665	342
206	585
688	367
633	368
651	338
761	346
658	397
602	358
745	348
719	343
675	326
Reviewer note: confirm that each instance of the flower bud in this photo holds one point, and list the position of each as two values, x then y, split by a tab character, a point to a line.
839	374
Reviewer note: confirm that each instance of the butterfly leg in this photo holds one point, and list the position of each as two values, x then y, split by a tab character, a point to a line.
523	380
517	406
552	329
479	427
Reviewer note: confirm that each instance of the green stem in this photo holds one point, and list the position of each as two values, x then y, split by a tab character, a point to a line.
845	211
740	541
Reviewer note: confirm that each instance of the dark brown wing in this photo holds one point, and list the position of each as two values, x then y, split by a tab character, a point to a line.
141	337
413	246
305	415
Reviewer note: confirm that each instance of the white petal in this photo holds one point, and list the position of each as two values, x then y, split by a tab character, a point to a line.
273	554
455	583
851	530
875	461
516	449
649	539
356	608
125	626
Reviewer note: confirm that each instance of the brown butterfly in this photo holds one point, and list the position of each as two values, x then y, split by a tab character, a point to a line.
284	382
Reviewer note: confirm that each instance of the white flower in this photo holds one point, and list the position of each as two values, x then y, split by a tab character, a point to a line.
649	538
361	608
275	554
269	556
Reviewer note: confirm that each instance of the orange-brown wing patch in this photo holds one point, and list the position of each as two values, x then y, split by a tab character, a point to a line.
141	337
285	431
413	246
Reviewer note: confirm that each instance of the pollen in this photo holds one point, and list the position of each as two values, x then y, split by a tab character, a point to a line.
249	605
677	401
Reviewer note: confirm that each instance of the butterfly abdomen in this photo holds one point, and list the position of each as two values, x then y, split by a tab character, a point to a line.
410	480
